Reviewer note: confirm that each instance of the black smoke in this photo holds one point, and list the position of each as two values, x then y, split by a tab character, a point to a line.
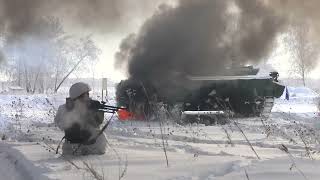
201	37
21	20
19	16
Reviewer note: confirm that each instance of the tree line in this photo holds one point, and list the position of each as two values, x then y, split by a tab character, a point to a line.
44	60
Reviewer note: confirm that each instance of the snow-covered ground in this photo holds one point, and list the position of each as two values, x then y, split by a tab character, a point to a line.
285	146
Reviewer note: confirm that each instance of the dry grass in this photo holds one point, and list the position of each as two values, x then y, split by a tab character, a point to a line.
294	164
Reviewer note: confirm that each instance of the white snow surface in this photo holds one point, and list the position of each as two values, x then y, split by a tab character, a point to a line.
135	149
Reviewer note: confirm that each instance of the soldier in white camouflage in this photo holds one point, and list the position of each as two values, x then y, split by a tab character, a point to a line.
80	123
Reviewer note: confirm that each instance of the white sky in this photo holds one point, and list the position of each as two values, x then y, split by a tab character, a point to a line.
105	66
281	61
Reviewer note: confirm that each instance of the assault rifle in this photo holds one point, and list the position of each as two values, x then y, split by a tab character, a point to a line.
101	106
95	105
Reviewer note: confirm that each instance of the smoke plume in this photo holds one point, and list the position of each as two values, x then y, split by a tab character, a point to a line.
2	58
22	19
18	17
301	13
199	38
204	37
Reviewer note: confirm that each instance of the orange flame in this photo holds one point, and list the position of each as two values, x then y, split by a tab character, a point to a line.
125	115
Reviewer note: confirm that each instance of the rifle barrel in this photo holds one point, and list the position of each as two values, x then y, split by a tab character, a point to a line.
110	109
101	106
113	107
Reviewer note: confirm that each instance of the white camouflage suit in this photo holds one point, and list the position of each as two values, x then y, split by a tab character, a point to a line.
87	119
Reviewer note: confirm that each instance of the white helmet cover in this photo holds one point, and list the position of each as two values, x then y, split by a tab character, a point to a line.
78	89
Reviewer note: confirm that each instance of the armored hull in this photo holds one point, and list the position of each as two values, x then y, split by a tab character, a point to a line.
206	97
242	95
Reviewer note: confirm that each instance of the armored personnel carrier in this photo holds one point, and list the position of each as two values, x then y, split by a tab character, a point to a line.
208	99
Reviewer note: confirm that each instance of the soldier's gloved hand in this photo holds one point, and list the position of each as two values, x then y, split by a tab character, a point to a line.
95	105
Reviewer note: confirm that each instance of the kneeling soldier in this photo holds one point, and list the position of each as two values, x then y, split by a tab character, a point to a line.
80	123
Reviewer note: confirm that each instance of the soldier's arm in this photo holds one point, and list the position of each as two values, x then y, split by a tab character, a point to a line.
95	118
58	117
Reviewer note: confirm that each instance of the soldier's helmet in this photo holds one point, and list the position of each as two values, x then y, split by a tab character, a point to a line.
78	89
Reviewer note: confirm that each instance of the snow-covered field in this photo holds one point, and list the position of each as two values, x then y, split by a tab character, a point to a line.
285	146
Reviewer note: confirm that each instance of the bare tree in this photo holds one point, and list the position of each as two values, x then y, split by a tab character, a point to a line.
47	57
303	50
84	50
30	57
59	62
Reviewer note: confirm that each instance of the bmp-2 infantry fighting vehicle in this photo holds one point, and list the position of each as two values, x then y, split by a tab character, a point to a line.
208	99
